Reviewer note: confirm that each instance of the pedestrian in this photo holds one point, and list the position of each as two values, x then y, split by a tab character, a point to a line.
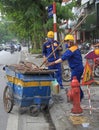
74	58
12	46
48	47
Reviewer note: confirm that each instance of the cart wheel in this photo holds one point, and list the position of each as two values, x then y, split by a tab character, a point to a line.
34	111
8	99
45	107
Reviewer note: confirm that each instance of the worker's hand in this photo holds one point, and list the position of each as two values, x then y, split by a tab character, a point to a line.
44	59
41	68
50	63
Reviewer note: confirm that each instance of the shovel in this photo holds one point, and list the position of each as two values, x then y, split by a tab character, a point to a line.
63	40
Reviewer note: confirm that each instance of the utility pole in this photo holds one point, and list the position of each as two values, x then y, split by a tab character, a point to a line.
54	21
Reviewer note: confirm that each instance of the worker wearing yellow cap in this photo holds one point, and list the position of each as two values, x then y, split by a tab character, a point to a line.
74	58
48	47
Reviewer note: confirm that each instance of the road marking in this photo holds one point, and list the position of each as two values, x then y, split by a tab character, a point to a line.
12	122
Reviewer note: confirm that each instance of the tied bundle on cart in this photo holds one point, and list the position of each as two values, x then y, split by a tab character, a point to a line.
27	86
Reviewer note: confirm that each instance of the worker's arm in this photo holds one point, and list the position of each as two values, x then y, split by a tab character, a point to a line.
54	62
58	61
44	58
97	45
44	52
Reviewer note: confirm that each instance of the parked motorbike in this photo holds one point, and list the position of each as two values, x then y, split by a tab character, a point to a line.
93	61
12	51
84	47
12	48
96	67
18	47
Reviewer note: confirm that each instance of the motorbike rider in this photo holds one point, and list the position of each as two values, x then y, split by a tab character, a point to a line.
12	47
48	47
74	58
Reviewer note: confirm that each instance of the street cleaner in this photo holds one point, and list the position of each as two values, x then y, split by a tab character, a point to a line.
74	58
48	47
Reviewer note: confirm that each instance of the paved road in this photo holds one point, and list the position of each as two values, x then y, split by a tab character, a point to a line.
60	111
6	58
18	119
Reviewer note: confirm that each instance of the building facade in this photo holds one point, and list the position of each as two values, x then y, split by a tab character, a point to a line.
89	28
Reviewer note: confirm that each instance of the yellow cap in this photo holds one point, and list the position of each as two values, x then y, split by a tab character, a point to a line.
69	37
96	51
50	34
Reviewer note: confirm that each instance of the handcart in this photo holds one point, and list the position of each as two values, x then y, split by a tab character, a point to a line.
27	89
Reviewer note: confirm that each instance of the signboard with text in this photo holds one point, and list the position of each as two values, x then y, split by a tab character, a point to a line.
50	11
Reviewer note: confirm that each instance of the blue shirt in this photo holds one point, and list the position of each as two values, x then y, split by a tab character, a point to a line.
73	55
49	47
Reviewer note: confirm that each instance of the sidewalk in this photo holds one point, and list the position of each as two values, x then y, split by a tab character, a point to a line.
61	110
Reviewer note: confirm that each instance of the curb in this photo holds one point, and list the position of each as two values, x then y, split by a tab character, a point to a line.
60	111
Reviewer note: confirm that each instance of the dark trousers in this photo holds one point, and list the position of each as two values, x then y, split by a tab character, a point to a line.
58	73
78	73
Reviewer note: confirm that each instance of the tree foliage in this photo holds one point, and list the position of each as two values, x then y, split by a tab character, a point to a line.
31	18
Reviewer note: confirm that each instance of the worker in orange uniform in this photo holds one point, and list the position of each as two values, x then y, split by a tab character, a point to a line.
74	58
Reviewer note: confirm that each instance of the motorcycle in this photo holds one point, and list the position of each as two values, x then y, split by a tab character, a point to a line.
93	61
12	51
96	67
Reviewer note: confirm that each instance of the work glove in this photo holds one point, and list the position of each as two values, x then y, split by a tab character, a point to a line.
50	63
